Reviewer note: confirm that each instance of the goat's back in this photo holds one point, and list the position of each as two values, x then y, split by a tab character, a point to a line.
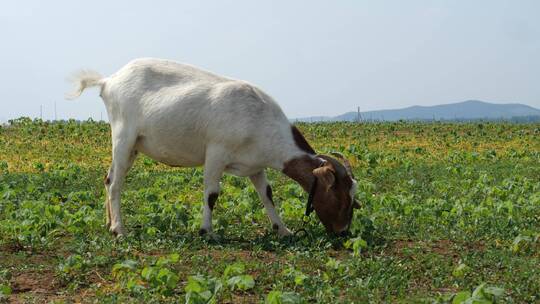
178	111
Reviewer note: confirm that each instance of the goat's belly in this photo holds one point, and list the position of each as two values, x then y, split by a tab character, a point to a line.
239	169
183	154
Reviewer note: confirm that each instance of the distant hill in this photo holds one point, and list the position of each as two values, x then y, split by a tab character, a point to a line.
466	110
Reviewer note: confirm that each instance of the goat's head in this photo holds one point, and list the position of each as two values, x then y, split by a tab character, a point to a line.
332	194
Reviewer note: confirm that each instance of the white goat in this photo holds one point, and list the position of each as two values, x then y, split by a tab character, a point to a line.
183	116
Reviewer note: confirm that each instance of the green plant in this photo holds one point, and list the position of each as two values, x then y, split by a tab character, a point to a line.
443	206
481	295
280	297
200	289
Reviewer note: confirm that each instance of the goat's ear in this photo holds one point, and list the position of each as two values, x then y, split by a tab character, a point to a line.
325	176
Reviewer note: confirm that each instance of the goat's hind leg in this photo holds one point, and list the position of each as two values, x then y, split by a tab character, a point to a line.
123	157
107	182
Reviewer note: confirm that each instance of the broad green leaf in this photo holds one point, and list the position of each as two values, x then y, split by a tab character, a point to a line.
202	290
5	290
461	297
495	291
461	270
172	280
126	265
195	284
290	298
151	231
148	273
479	291
273	297
242	282
234	269
299	278
174	257
279	297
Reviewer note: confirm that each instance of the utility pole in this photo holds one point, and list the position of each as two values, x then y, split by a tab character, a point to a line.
41	112
359	117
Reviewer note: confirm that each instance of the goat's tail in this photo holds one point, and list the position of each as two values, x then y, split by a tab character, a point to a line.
84	79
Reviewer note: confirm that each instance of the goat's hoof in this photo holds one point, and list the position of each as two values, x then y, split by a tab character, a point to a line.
117	231
285	232
202	232
281	231
209	235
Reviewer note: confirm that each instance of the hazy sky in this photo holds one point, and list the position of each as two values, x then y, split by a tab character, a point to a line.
313	57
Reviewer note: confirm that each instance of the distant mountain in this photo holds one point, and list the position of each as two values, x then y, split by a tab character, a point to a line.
466	110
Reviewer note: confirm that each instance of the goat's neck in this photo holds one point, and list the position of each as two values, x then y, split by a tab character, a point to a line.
301	169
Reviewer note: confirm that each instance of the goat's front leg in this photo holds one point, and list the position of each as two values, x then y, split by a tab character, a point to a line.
213	170
265	193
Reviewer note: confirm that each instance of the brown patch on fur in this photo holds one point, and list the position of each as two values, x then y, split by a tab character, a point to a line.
301	141
107	180
300	169
326	176
331	201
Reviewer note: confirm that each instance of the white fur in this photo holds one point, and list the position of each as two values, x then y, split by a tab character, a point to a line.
184	116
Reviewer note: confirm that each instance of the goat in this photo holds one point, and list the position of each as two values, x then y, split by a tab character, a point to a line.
184	116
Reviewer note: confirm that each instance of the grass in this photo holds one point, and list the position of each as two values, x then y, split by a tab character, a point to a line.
446	208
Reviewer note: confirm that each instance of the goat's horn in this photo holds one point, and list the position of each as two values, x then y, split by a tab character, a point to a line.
346	163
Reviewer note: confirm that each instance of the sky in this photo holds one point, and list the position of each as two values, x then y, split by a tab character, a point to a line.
313	57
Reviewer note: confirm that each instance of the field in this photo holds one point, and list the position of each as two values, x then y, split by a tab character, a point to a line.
449	213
